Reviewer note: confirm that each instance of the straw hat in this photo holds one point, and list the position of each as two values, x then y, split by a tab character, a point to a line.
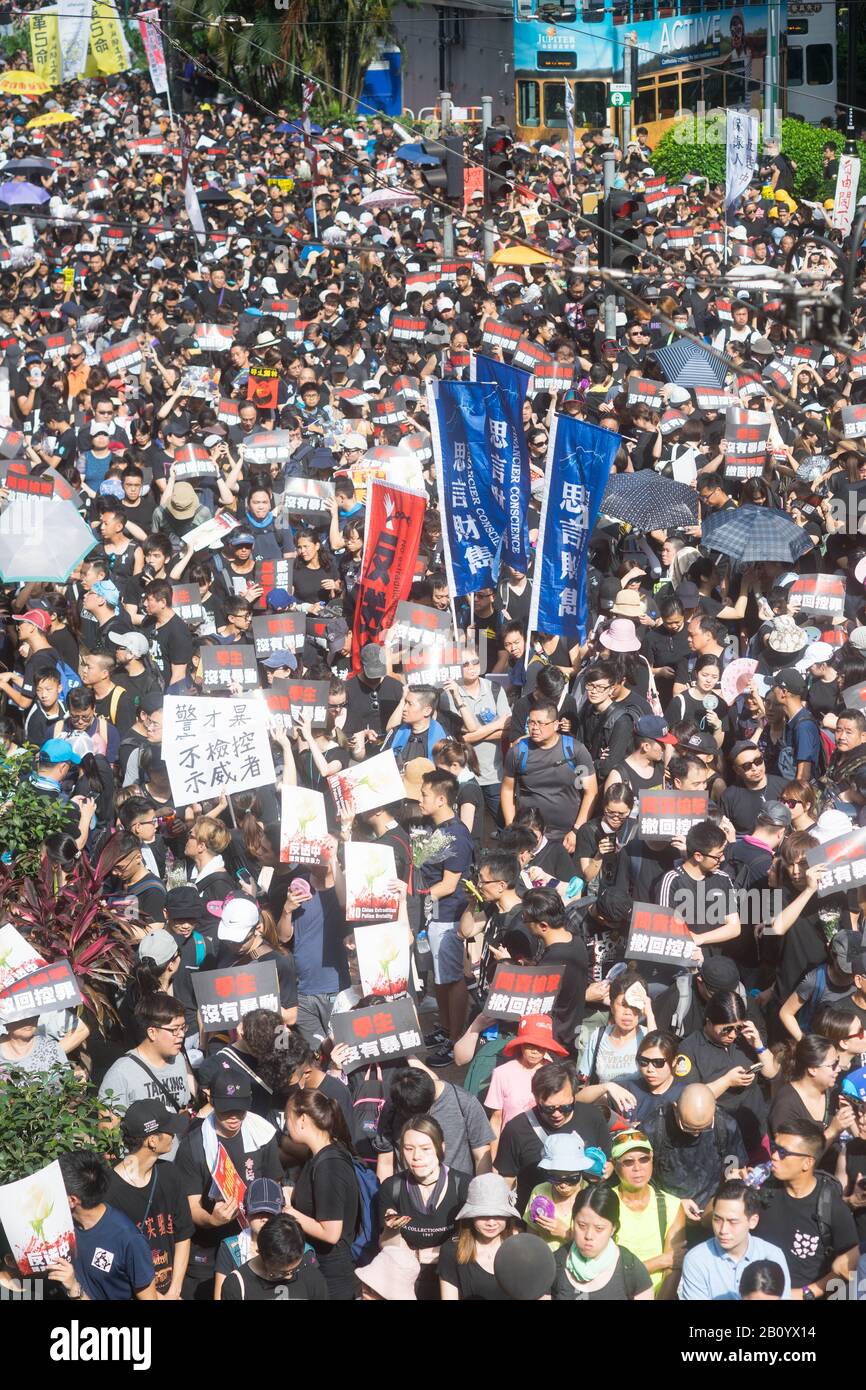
629	604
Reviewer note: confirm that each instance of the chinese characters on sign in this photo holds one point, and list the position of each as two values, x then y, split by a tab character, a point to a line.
664	814
213	745
41	991
378	1033
820	593
224	667
656	934
518	991
304	833
843	860
224	996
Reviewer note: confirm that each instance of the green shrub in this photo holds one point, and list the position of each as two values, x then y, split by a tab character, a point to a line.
48	1114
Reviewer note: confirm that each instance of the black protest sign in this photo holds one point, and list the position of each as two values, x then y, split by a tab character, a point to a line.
224	996
278	632
665	814
842	861
42	991
223	667
656	934
384	1031
519	991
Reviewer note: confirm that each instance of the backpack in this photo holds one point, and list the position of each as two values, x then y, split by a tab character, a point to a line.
522	754
823	1211
367	1108
787	763
366	1242
483	1065
68	678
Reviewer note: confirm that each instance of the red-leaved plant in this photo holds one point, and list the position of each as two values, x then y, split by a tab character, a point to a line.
71	921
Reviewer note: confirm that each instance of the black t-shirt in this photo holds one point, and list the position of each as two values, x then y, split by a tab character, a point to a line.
629	1278
370	707
520	1147
307	584
703	903
196	1181
742	806
789	1105
327	1190
160	1210
793	1224
305	1284
118	708
545	778
474	1283
570	1005
170	645
428	1228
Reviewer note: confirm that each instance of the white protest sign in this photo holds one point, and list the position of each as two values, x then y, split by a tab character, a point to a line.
370	870
383	958
213	746
17	957
303	826
36	1219
376	782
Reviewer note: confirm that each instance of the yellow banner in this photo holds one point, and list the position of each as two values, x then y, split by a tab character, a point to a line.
108	47
45	47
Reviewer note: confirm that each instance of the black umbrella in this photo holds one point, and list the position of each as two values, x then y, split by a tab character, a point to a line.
29	166
213	195
648	502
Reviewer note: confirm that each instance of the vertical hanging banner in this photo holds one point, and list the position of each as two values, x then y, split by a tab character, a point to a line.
845	200
108	47
73	20
509	452
579	459
392	536
45	48
473	520
190	197
741	154
152	40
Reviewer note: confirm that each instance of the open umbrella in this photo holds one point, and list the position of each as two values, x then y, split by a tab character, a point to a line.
29	166
296	128
41	540
416	154
50	118
388	198
686	364
23	84
210	194
751	534
649	503
15	194
520	255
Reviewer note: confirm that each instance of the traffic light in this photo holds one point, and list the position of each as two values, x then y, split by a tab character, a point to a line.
497	163
447	178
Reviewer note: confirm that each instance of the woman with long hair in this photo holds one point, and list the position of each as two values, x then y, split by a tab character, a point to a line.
421	1203
591	1267
156	963
460	759
809	1072
315	574
325	1200
610	1051
466	1261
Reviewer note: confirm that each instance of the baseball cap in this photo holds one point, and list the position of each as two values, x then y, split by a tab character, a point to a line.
133	642
239	917
628	1141
183	904
678	395
145	1117
278	600
688	594
231	1091
281	658
158	946
775	813
653	726
239	538
37	616
373	661
845	949
263	1195
790	680
815	655
717	972
699	743
58	750
354	441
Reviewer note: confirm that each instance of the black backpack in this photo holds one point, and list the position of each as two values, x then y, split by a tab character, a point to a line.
368	1101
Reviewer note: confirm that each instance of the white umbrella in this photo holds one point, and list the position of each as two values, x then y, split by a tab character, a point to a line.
389	198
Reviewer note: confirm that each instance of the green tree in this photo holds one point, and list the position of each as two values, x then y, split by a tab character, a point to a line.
25	816
46	1115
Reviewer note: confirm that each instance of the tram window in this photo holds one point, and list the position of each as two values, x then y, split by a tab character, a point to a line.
554	104
592	11
690	93
669	102
641	9
557	11
819	64
525	9
528	105
620	11
590	104
690	6
795	66
645	107
713	90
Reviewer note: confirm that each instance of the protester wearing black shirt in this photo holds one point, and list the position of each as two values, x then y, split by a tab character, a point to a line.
149	1192
325	1200
556	1111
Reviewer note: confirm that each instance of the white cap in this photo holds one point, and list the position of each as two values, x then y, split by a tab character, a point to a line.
343	218
815	654
354	441
860	571
678	395
239	917
830	824
443	302
738	234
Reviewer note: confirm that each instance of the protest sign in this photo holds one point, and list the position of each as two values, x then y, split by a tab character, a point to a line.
376	1034
519	991
304	833
417	625
432	665
273	574
853	697
370	871
501	335
223	996
213	746
382	952
202	382
664	814
530	356
655	934
41	991
122	357
820	593
225	667
394	519
263	387
408	330
213	337
36	1220
843	862
745	442
290	701
276	632
643	391
228	1185
211	532
854	421
376	782
267	446
186	603
17	957
307	497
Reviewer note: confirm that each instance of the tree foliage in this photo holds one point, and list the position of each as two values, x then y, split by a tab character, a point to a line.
45	1115
680	152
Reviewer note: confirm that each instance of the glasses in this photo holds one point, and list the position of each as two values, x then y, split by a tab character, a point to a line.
716	856
565	1179
539	723
728	1029
177	1032
789	801
557	1109
473	661
858	1033
598	689
746	767
780	1151
833	1066
692	1129
652	1062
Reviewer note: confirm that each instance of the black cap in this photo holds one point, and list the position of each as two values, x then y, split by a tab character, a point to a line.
231	1091
183	904
718	972
146	1117
614	905
791	681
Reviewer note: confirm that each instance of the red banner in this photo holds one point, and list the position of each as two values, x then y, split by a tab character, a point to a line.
395	517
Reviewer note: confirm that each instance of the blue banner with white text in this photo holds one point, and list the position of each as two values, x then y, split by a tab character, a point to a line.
579	459
473	519
509	453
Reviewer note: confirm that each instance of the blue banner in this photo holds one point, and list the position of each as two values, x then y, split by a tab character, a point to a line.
473	520
509	454
579	460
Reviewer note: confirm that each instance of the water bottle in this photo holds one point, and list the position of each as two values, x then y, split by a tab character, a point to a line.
422	943
756	1177
844	1138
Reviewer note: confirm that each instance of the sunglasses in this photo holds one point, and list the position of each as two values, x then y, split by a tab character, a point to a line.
789	801
744	767
652	1061
556	1109
780	1151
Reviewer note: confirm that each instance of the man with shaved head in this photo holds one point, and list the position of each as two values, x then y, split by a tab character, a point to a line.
696	1145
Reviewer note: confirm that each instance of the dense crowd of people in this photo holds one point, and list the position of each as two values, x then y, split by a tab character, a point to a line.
691	1125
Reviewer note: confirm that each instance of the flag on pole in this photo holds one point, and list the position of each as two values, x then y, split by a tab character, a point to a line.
845	200
45	48
569	120
741	154
190	197
579	459
309	88
152	40
392	536
473	520
509	453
